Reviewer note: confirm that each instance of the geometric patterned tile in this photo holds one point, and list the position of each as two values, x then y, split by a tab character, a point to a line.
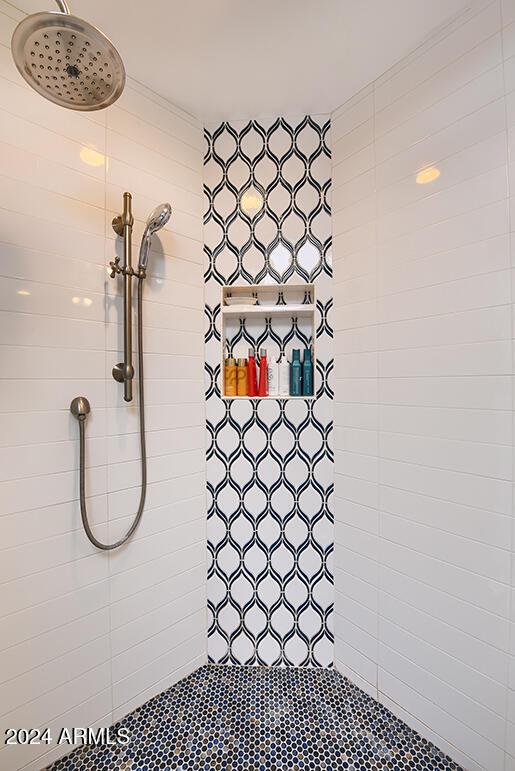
270	463
259	718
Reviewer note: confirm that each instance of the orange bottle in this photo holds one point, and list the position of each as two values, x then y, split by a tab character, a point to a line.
230	377
242	377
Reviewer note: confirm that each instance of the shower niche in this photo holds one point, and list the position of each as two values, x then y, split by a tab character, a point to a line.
277	317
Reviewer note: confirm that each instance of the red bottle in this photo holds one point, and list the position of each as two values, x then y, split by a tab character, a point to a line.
263	373
252	374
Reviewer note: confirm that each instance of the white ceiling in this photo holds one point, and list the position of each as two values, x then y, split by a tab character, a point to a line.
230	59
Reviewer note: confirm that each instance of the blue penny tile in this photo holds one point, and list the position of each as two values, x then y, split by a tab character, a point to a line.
231	718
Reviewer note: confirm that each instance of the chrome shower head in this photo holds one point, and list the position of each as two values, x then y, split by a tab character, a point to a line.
157	220
67	60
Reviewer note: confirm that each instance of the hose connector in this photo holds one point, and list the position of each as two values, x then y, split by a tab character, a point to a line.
80	408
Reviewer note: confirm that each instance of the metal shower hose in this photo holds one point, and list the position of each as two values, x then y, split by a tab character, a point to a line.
82	446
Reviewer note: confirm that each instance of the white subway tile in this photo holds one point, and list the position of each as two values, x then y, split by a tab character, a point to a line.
491	460
66	605
425	565
60	701
469	98
356	661
456	550
465	165
487	627
485	53
466	662
164	683
351	115
466	489
137	128
436	57
507	12
482	223
20	101
488	392
480	525
153	658
34	202
470	130
356	679
356	515
86	656
482	325
149	160
354	140
158	112
356	564
444	723
417	725
346	169
445	204
468	359
472	713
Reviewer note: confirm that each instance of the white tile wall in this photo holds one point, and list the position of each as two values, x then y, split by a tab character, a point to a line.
425	529
85	636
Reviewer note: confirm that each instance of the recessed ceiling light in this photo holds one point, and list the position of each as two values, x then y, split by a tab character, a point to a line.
429	174
23	292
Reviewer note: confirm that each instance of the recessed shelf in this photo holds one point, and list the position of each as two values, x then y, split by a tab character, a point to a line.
307	309
283	318
263	398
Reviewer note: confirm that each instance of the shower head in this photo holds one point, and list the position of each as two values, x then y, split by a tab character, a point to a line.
67	60
157	220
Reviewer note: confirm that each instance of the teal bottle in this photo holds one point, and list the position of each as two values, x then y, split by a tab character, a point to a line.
296	374
307	374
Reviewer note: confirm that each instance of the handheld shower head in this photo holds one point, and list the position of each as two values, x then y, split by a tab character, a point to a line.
157	220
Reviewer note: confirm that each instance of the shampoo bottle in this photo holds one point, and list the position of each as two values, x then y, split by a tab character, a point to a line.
284	376
263	373
296	374
242	369
307	373
252	374
273	377
230	377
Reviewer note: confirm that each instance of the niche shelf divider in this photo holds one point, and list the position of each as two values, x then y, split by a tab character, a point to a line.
278	302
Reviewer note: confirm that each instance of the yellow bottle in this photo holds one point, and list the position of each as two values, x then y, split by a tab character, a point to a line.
242	377
230	377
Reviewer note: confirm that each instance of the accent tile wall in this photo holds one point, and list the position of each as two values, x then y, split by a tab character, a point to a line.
269	463
86	636
424	533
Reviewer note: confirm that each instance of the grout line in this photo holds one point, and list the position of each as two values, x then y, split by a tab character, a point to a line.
511	621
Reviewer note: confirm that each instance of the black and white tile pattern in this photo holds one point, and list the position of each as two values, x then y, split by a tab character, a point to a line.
262	719
269	463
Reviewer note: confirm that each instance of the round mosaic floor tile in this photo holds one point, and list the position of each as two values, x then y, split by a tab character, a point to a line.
226	718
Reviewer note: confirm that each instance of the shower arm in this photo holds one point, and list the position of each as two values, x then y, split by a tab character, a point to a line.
63	7
123	372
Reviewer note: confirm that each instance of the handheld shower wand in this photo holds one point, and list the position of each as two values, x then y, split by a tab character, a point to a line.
157	219
123	372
